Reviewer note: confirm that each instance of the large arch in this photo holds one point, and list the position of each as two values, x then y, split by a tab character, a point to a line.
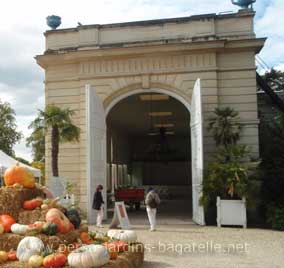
96	138
112	101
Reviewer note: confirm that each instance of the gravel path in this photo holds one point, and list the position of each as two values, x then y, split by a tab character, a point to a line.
191	246
204	247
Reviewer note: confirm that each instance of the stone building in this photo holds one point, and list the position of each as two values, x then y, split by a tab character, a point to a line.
131	85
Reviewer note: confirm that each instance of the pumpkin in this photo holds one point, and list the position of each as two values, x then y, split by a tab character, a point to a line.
113	255
56	216
100	237
86	238
1	228
28	247
50	228
47	251
117	246
74	217
32	204
3	256
20	229
17	186
123	235
20	175
53	202
7	221
12	255
89	256
46	201
54	260
35	228
44	207
35	261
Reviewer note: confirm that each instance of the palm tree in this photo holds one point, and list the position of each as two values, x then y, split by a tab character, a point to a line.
225	126
59	121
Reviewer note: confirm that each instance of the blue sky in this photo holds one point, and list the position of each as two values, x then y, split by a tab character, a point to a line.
22	24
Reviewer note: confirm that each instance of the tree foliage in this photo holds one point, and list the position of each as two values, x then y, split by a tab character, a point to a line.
225	126
272	160
9	135
59	121
275	79
37	142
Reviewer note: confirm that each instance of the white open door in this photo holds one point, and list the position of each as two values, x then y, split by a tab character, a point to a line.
96	149
197	153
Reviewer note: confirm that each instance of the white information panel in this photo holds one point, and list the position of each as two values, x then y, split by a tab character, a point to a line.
121	213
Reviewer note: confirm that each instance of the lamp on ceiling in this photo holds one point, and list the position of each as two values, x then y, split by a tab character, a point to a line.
159	150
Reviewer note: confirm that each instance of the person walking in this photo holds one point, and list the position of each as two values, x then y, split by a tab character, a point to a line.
98	204
152	201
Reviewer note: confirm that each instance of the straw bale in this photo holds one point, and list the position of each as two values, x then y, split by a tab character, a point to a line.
31	216
10	241
124	260
12	199
132	259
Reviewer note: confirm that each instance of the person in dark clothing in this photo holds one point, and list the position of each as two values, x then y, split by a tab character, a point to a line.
98	204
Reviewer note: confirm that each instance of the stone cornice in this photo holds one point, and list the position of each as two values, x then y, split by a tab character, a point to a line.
75	55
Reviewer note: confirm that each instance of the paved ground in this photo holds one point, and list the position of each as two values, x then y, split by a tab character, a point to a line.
180	243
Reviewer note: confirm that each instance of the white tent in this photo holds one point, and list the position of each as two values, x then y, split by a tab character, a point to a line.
7	161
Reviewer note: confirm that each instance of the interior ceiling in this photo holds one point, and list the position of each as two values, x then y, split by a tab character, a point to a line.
132	115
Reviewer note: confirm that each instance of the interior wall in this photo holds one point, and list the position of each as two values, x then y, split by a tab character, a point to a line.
120	151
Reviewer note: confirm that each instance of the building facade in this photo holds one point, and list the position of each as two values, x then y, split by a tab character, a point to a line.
91	68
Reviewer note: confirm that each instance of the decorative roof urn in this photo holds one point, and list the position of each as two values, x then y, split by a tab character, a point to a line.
53	21
244	4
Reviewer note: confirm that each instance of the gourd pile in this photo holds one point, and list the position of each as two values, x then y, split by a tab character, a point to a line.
30	245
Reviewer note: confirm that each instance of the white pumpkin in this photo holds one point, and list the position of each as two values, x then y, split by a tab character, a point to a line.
28	247
128	236
1	228
88	256
20	229
35	261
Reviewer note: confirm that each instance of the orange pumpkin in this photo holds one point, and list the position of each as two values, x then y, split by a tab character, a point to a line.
7	221
21	175
54	260
113	254
35	228
32	204
56	216
86	238
116	246
12	256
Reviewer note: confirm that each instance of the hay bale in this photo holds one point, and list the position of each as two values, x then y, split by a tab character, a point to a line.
133	258
31	216
124	260
14	264
12	199
10	241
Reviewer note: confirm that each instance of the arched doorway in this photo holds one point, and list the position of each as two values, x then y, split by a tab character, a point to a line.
97	141
148	145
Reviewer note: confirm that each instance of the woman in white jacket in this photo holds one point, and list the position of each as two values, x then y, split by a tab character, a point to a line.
152	202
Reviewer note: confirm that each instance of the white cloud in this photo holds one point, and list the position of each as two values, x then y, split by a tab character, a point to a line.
22	24
271	25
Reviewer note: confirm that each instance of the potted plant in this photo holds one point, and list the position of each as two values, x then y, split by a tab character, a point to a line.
226	182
